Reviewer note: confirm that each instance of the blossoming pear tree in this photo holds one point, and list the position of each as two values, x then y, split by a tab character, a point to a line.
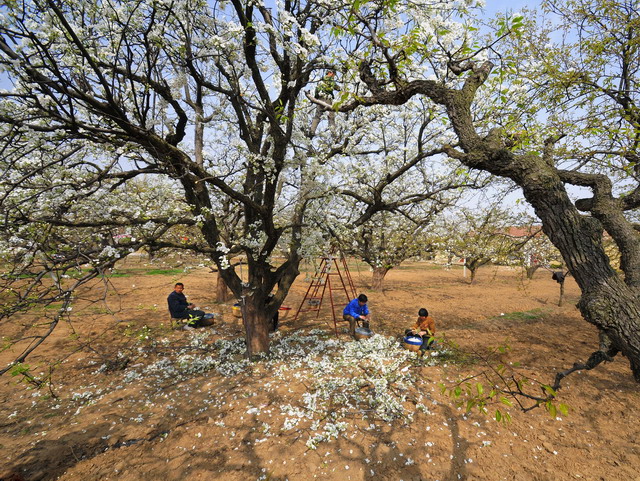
63	229
204	94
212	97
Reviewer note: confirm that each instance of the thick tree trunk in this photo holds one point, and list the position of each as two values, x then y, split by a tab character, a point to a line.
223	294
377	279
256	328
606	301
473	270
258	306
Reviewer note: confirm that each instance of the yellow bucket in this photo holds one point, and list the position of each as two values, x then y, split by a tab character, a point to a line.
236	310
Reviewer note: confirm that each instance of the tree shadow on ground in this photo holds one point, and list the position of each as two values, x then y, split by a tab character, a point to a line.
48	459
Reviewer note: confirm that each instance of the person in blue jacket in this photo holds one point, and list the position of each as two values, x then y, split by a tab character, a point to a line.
357	312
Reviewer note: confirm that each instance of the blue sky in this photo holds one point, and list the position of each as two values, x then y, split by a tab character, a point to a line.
494	6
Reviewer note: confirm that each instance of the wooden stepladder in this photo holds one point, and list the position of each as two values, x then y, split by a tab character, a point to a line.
331	279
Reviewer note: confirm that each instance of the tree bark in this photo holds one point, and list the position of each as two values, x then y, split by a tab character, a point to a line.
606	301
377	279
223	294
530	271
256	329
472	274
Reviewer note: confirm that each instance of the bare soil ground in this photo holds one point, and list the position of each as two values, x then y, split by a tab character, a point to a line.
136	400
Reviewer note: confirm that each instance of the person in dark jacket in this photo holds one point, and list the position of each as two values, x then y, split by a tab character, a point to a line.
179	308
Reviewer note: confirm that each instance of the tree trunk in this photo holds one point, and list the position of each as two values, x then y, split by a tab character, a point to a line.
473	270
377	279
561	300
223	294
257	305
606	301
473	265
256	327
531	270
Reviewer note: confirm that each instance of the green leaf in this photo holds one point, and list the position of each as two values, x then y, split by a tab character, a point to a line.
498	415
337	31
18	369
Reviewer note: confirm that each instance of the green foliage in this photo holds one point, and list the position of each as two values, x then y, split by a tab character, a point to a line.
120	274
54	306
523	316
147	307
7	342
164	272
142	334
498	386
20	369
25	374
510	26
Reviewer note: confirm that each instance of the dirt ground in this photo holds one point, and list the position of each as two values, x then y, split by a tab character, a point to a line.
136	400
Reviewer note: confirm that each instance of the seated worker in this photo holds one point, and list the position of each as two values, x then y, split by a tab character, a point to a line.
425	327
355	312
181	309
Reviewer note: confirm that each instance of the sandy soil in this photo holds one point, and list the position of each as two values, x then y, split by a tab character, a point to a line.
136	400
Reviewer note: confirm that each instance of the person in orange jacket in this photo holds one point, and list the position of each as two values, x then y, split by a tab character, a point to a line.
425	327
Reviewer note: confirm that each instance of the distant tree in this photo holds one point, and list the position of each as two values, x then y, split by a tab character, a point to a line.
538	251
383	209
385	241
480	237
